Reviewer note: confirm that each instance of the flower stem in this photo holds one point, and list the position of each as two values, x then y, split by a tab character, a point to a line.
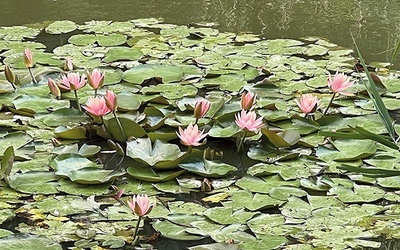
330	103
30	73
13	85
197	120
120	126
241	143
136	229
77	100
95	92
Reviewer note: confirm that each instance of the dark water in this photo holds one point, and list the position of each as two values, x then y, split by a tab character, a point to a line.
373	23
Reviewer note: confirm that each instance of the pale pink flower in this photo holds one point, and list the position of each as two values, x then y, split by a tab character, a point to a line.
96	106
248	100
247	121
191	136
28	60
54	89
68	65
95	79
339	82
111	100
308	103
140	205
72	81
201	108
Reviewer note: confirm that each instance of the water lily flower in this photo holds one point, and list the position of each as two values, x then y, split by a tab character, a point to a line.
95	79
54	89
68	65
339	83
247	121
140	205
201	108
248	100
191	136
96	106
308	103
111	100
28	59
72	81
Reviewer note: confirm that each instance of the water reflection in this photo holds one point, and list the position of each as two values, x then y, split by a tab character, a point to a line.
373	23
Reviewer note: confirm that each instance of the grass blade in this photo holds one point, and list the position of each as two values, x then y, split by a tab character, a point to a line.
376	98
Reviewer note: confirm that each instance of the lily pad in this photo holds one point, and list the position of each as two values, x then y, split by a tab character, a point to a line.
167	73
59	27
203	167
161	154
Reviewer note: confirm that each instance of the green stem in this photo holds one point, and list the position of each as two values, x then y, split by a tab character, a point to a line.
197	120
30	73
330	103
241	143
13	85
120	126
95	92
136	228
77	100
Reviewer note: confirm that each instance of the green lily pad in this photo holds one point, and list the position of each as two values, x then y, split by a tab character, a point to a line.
161	154
32	104
16	243
103	40
122	54
93	175
167	73
70	133
65	163
203	167
130	128
59	27
148	174
34	182
174	231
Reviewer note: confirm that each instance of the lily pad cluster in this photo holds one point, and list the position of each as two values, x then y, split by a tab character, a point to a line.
285	188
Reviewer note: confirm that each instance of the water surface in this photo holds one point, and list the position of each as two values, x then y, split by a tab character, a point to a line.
373	23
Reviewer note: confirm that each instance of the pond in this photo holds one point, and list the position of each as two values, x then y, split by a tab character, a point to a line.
373	23
285	154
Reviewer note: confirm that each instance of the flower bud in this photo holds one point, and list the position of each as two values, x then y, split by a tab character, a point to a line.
28	60
9	74
201	108
111	100
54	89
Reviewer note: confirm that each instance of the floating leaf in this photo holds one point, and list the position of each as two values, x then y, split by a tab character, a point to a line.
59	27
167	73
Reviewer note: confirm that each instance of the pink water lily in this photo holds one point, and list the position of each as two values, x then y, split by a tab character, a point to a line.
28	59
140	205
308	103
201	108
111	100
339	82
72	81
95	79
247	120
96	106
191	136
248	100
